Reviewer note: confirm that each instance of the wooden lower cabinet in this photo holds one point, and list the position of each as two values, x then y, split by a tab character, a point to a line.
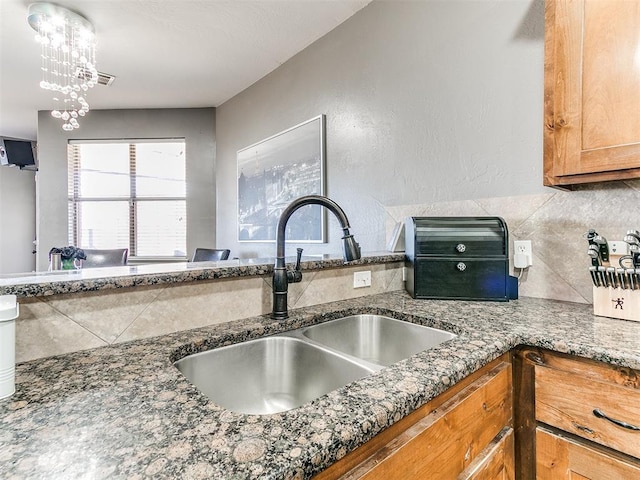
559	457
495	462
557	417
464	433
575	418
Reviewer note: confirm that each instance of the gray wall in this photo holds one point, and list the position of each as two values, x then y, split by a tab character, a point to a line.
425	101
17	220
197	126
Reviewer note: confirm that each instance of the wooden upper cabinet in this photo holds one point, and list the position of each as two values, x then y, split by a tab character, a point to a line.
592	91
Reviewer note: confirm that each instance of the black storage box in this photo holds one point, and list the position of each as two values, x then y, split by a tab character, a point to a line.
462	258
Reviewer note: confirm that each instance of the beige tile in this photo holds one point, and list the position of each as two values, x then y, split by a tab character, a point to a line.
295	290
514	210
106	313
390	277
542	282
634	183
557	228
42	332
201	303
337	284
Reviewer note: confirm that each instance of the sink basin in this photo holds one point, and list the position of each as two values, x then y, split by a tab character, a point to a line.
278	373
268	375
376	338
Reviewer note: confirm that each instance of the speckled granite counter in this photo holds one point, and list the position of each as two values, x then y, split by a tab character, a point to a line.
125	412
92	279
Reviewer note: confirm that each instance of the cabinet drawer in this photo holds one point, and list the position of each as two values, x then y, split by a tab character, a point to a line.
559	457
445	442
577	401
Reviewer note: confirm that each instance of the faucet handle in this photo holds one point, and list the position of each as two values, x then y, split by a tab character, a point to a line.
295	276
297	267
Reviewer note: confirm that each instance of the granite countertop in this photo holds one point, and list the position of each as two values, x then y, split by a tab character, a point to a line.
34	284
125	412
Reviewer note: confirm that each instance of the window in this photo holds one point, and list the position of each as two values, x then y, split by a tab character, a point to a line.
129	195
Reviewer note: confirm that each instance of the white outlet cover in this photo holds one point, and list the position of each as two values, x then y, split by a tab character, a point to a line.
362	279
524	250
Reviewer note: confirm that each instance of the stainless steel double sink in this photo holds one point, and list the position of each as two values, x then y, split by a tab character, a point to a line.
281	372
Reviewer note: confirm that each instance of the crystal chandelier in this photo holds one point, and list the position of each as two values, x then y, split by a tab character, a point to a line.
68	59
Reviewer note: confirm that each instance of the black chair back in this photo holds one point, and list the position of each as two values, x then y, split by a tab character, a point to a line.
105	258
210	255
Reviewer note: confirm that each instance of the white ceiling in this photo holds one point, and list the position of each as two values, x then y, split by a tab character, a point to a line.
164	53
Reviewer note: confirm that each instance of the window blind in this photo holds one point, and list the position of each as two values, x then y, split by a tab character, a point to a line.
128	194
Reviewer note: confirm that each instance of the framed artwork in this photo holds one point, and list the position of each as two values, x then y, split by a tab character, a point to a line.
274	172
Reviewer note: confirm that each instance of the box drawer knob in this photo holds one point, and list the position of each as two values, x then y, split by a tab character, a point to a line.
600	414
461	247
461	266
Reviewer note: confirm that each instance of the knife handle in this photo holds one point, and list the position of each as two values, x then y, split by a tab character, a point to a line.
602	274
631	273
621	277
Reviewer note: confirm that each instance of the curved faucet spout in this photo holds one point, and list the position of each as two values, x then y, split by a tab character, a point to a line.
281	279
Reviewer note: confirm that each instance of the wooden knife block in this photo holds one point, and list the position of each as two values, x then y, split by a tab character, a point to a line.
616	303
612	302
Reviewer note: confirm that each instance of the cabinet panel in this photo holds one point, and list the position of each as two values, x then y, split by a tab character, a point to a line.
444	441
563	390
610	52
559	457
592	91
496	462
571	402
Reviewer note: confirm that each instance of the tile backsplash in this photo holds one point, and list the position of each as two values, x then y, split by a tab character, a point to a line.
556	223
58	324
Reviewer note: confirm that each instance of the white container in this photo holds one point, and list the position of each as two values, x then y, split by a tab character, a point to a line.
9	311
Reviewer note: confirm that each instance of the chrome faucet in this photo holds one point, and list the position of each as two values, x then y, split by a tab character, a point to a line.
281	277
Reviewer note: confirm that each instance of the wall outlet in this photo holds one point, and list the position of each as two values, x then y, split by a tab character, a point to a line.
522	253
362	279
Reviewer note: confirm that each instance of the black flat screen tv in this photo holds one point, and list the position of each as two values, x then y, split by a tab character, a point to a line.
17	152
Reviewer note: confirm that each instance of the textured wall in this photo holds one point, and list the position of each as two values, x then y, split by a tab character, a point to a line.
426	101
196	126
17	220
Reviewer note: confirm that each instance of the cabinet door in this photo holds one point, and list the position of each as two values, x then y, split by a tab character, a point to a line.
559	458
447	438
592	91
496	462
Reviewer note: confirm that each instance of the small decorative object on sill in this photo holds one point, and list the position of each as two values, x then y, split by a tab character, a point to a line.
71	258
71	264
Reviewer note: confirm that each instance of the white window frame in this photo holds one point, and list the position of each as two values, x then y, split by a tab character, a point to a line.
74	198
